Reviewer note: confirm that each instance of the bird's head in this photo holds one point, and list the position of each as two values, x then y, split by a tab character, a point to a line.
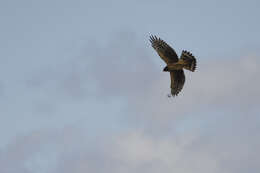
166	69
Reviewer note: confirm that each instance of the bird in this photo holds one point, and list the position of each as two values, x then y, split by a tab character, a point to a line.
174	65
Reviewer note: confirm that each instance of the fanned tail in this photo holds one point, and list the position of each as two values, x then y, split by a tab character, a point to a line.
189	60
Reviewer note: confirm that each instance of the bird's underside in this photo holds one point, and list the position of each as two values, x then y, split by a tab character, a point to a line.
174	65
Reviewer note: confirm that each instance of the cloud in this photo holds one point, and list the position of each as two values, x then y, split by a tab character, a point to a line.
72	150
127	69
227	85
210	127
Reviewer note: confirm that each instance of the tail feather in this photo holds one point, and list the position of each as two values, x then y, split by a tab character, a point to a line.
189	60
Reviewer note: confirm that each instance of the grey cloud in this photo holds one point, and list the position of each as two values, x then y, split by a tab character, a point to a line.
127	69
60	65
210	127
71	150
123	67
228	85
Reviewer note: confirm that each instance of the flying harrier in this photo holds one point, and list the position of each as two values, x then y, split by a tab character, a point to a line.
174	65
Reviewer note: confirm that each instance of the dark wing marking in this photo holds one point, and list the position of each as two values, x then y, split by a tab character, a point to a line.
164	50
177	81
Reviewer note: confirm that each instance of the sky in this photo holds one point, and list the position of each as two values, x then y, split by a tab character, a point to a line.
82	90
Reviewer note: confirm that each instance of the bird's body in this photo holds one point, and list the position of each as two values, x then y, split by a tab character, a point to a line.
175	65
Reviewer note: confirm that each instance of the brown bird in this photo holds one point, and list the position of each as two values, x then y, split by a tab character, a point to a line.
174	65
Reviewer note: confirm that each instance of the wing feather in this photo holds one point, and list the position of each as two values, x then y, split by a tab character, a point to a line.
164	50
177	81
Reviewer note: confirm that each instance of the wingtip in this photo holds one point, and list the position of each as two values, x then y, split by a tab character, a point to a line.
153	37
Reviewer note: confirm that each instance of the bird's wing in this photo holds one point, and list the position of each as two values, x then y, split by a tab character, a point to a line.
177	81
164	50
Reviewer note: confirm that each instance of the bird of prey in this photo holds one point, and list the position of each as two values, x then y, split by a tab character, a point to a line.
175	65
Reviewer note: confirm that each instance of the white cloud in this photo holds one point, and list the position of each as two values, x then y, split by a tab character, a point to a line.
72	150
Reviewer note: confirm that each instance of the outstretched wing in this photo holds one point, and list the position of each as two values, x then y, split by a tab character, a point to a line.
177	81
164	50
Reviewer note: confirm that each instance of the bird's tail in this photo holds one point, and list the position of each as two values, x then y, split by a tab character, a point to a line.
189	60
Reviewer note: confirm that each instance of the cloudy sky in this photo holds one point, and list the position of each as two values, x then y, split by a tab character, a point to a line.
81	89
